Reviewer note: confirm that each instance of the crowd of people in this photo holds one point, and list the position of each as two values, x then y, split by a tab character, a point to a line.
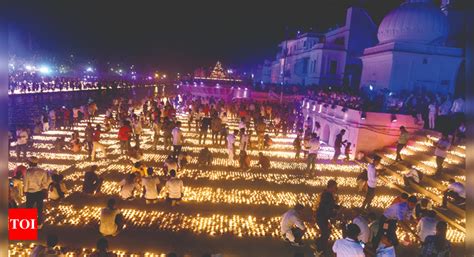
210	116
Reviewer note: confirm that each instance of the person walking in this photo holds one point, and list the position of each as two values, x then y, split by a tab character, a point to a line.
314	146
432	111
88	138
96	145
231	147
326	210
338	143
371	182
216	127
124	136
36	184
177	139
22	138
402	142
441	151
426	226
297	146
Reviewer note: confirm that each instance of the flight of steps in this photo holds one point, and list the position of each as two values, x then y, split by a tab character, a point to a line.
225	209
419	153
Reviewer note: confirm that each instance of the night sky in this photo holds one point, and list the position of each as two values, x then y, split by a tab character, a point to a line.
172	37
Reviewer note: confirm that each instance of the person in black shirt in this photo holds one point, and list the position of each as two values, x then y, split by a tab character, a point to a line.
338	144
204	158
205	124
92	182
326	210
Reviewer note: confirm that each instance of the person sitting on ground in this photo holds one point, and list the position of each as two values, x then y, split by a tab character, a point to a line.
111	219
128	186
349	246
386	248
48	250
437	245
426	226
135	154
292	226
183	159
59	144
150	187
205	157
456	191
174	189
402	198
57	189
267	141
140	169
92	182
170	164
411	176
102	246
263	161
422	208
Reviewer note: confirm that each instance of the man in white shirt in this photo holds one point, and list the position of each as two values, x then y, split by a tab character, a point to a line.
411	176
314	146
292	227
456	190
21	142
427	226
385	248
349	246
244	140
36	184
177	139
402	211
174	189
432	115
230	147
150	187
441	152
128	186
363	225
371	182
111	220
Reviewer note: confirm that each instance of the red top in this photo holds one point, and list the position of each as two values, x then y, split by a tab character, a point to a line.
124	133
96	136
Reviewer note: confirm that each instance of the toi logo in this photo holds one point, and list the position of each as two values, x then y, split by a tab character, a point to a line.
23	224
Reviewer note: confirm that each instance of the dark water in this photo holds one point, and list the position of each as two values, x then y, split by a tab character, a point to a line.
23	110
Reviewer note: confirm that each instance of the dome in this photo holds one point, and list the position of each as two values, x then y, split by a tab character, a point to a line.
416	21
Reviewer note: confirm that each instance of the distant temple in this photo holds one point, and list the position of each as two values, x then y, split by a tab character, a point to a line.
412	48
217	74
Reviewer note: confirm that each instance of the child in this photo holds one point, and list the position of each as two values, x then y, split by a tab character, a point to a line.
347	151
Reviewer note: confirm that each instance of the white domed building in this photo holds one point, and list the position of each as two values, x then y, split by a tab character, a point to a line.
411	51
